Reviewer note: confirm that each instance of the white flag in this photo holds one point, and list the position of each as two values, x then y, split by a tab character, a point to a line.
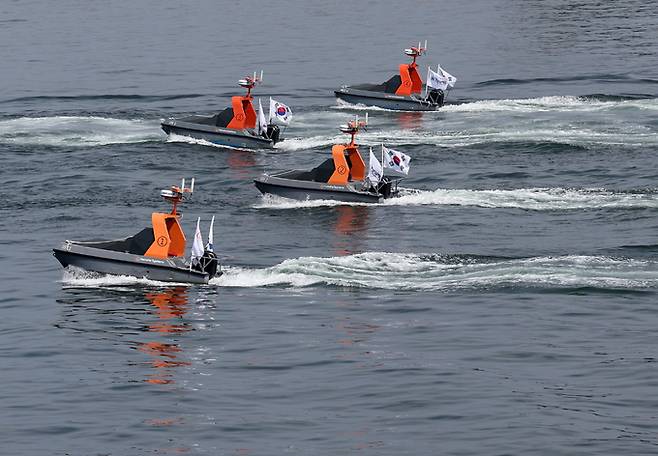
262	122
209	246
197	245
436	80
279	113
375	170
449	78
396	161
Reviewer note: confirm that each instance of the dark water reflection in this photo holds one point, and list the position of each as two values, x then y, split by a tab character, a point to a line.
154	325
170	308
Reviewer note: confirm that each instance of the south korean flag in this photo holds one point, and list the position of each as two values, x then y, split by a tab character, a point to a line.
396	161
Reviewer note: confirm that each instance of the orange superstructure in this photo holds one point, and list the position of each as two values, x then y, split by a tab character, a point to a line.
244	114
169	238
410	81
348	163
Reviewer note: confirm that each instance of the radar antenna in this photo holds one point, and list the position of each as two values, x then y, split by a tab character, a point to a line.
353	126
415	52
176	195
249	82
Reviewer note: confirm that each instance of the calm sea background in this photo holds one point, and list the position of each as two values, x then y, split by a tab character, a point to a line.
508	308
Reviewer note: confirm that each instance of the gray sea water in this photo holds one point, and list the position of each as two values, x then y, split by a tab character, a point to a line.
505	305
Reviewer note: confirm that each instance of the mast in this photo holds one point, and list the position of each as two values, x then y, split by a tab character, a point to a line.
176	195
249	82
415	52
352	128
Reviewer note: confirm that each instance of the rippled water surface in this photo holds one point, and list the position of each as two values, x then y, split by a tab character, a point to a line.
505	304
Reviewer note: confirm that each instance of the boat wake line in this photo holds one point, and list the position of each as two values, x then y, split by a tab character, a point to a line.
561	103
431	272
587	122
77	131
535	199
443	136
556	103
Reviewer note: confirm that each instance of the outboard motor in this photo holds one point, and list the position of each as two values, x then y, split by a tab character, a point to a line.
273	132
436	96
385	189
207	263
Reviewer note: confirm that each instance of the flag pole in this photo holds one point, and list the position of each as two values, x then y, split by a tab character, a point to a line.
370	168
269	120
447	88
211	234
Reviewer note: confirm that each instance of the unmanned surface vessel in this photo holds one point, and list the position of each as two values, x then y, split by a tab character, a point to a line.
343	177
237	126
401	92
155	253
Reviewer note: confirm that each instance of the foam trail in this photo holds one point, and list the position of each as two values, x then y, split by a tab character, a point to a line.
277	202
549	103
345	105
321	116
536	199
293	144
559	103
452	126
398	271
77	131
78	278
574	136
503	134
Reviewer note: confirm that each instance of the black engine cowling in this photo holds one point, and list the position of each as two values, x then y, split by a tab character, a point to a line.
208	263
385	189
273	132
436	96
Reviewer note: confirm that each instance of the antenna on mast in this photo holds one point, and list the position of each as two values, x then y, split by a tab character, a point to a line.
177	194
415	52
250	82
352	127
